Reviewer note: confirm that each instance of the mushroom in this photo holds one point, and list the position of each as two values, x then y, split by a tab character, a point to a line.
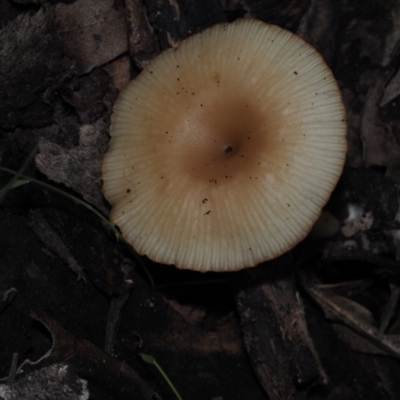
224	150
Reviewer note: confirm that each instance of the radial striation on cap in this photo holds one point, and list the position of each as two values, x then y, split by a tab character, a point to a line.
224	151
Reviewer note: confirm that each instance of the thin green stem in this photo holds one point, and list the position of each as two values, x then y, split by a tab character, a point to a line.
11	184
14	183
73	198
151	360
164	375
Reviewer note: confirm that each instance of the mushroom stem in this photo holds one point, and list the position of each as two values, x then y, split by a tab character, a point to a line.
275	330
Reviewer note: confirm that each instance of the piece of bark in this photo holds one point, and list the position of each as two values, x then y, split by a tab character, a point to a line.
141	39
275	330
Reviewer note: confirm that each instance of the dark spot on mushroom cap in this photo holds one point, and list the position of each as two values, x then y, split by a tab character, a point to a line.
228	149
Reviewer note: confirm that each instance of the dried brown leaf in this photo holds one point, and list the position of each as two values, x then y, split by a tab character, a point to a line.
93	32
352	314
379	145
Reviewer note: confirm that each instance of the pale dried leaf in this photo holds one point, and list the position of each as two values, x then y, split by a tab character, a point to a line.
56	381
78	168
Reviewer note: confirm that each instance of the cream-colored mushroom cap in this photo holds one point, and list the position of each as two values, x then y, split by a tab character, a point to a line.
224	150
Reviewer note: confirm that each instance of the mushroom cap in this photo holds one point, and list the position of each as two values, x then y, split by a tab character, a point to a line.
224	150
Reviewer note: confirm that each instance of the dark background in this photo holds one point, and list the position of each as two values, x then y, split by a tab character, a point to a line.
68	285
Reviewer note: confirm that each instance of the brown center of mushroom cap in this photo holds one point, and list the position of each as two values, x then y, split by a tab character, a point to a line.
222	140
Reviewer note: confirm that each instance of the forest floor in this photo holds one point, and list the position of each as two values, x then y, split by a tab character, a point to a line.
78	307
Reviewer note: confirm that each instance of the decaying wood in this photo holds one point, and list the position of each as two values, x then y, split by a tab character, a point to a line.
275	330
142	43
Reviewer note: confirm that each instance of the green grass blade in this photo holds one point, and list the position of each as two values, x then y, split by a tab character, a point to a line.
73	198
17	175
151	360
15	184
